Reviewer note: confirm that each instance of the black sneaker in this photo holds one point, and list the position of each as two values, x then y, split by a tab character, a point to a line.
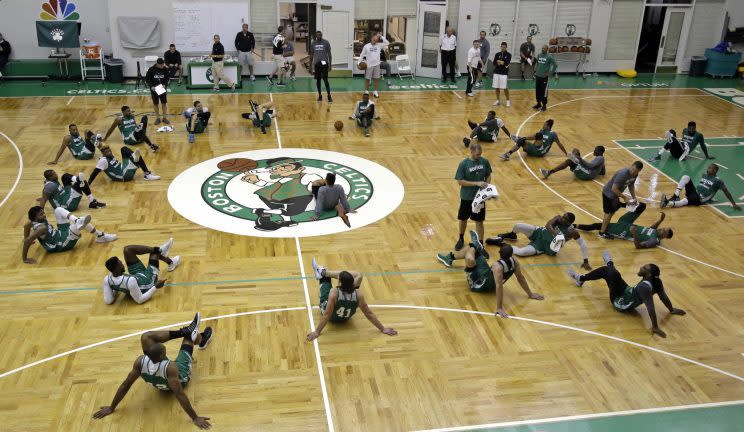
280	84
509	236
206	338
472	125
320	98
466	142
544	108
192	330
154	148
495	241
460	244
330	99
537	107
263	129
96	204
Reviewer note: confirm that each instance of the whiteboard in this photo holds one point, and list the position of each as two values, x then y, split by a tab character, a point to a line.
197	21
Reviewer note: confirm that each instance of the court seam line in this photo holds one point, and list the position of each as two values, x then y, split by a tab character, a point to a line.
20	168
586	416
519	152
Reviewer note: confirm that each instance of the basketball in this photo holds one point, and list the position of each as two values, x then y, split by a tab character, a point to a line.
553	41
587	41
588	49
338	125
574	49
363	65
552	49
564	48
582	49
237	165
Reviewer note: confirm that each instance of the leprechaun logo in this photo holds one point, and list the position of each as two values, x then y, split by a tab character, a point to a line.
274	193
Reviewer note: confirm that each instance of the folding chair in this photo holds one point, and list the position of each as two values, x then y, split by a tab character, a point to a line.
403	65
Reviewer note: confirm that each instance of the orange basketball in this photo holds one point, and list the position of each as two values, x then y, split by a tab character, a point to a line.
587	41
553	41
582	49
574	49
237	165
564	48
552	49
338	125
588	49
363	65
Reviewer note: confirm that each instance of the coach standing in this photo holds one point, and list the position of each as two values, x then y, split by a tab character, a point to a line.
526	54
472	174
501	62
156	76
474	66
218	67
545	66
447	47
485	51
624	178
244	43
320	62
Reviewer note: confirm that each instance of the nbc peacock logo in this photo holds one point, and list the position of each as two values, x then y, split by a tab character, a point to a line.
59	10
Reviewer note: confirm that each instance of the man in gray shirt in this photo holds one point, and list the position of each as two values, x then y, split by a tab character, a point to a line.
527	57
485	52
624	178
582	169
320	63
331	196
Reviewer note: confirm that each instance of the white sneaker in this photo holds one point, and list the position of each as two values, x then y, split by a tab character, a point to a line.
81	177
151	177
253	78
575	276
606	257
471	94
318	269
175	261
81	222
545	173
508	103
375	94
136	155
166	247
497	103
105	238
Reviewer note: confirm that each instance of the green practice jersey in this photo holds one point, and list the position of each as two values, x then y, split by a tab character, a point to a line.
78	148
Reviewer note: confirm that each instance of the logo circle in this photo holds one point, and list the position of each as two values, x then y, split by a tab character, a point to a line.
269	193
208	75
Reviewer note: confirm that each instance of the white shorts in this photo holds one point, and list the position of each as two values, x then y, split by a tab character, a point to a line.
245	57
500	81
278	60
372	72
289	59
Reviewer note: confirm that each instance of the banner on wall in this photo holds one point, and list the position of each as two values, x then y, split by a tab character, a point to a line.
58	34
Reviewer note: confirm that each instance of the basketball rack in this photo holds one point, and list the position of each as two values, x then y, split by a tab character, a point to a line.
572	50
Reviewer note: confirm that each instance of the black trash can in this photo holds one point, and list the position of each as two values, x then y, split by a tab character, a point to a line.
114	70
697	66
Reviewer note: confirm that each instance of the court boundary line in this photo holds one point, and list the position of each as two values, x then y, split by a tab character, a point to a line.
20	169
519	152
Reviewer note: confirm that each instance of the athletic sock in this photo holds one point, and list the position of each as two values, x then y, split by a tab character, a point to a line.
462	236
90	197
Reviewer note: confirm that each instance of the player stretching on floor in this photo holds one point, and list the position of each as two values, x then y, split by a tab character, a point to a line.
681	149
124	170
540	146
155	368
484	278
261	115
709	185
68	194
364	113
487	131
626	229
140	283
80	148
60	239
340	304
548	239
131	131
582	169
625	298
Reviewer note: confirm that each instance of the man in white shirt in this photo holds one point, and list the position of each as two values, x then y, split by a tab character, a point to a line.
141	282
447	47
371	55
475	62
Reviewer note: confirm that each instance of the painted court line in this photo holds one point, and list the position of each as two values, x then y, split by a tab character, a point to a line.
586	416
20	169
68	102
455	93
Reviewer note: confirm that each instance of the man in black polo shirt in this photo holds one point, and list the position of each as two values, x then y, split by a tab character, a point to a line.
218	69
244	43
156	77
173	62
501	62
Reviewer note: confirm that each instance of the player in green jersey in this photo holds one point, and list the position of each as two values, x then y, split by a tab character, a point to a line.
364	113
548	239
141	282
709	185
624	297
540	145
487	131
583	170
261	114
197	119
81	148
67	194
155	368
340	303
681	148
123	170
131	132
626	229
59	239
482	277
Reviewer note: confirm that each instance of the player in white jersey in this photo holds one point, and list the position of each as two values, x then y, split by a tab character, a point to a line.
59	239
155	368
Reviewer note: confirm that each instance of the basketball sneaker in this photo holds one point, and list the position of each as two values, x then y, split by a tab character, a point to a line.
375	94
136	155
664	201
206	338
154	147
96	204
81	222
472	125
81	177
166	121
192	330
475	241
460	244
504	157
151	177
446	259
545	173
191	138
606	257
656	158
318	270
175	261
495	241
575	276
330	99
466	142
536	107
166	247
105	238
157	121
497	103
508	103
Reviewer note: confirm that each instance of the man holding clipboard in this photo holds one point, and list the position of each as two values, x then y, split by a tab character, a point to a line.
157	78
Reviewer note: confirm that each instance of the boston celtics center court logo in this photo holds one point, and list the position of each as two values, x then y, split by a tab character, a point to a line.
271	193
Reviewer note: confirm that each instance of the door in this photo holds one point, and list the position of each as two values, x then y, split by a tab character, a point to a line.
431	19
336	31
671	47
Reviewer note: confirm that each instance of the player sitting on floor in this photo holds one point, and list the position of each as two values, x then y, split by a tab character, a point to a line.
540	146
680	149
261	115
488	131
626	229
331	196
482	277
68	194
155	368
709	185
124	170
140	283
340	304
548	239
60	239
582	169
197	119
364	113
131	132
625	298
80	148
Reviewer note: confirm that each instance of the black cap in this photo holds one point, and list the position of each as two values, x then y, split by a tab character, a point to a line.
160	61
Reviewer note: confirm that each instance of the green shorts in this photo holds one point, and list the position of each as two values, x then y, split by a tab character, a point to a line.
583	175
146	277
62	240
628	301
199	127
183	363
535	151
266	120
359	122
541	239
68	199
486	136
325	291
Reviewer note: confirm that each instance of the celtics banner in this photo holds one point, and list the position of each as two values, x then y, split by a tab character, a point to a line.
57	34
